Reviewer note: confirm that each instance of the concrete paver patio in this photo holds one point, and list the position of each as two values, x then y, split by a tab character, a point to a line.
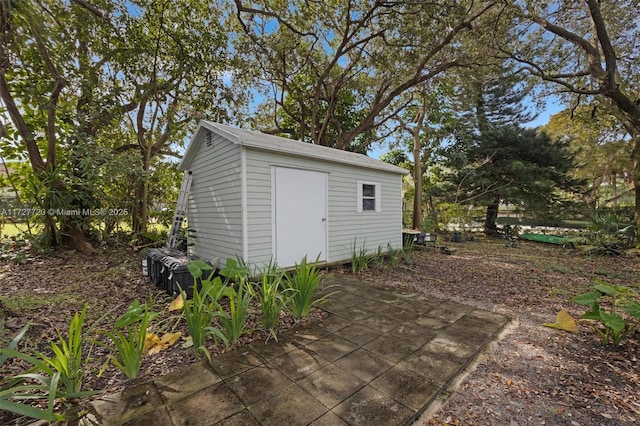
382	356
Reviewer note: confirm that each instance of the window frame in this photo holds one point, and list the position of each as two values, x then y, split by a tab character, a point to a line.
361	197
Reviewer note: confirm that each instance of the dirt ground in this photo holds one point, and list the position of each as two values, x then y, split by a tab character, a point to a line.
534	375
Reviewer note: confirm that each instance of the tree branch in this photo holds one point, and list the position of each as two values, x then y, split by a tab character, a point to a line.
91	8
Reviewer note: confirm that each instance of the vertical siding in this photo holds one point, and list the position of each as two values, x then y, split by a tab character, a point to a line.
215	203
346	226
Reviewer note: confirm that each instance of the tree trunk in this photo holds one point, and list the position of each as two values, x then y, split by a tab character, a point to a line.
490	227
614	186
635	154
417	182
74	237
140	217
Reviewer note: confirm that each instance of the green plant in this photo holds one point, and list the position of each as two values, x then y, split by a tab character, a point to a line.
407	247
67	355
393	255
607	234
272	300
234	325
235	270
430	221
130	345
303	284
28	386
200	310
619	299
359	259
14	248
377	260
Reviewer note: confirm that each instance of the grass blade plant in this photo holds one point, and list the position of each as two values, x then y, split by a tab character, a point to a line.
393	255
303	284
130	345
359	259
28	386
234	324
272	299
203	307
38	387
67	356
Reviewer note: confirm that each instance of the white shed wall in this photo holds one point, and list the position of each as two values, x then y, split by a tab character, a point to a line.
215	202
346	226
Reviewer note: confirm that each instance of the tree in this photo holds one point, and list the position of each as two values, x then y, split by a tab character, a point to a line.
375	50
601	149
428	120
488	99
42	71
112	76
586	48
514	165
168	68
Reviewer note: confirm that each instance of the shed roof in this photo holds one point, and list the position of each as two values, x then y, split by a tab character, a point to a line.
283	145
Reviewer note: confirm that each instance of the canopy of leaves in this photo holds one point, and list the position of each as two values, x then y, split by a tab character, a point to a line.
513	165
371	51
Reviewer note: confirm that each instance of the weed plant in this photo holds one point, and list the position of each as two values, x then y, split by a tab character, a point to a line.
393	255
67	356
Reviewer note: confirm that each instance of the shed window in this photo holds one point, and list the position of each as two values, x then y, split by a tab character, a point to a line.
368	197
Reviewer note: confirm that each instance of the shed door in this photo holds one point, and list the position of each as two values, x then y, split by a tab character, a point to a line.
300	212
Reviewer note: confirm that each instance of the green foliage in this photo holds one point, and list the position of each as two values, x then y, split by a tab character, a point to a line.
513	165
407	248
235	270
303	283
67	359
130	344
608	233
50	377
377	260
25	387
393	255
453	213
613	308
601	150
14	248
233	324
203	307
272	300
359	258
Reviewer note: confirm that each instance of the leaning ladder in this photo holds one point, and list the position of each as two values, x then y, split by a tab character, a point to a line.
181	210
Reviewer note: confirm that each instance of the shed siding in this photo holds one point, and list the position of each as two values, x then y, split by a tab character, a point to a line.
215	203
368	229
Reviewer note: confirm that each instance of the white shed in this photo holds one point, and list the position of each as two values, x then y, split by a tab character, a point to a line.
262	197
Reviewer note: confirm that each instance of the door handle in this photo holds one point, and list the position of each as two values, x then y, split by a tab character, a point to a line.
324	219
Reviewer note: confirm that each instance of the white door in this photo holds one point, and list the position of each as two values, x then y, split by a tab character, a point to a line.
300	211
